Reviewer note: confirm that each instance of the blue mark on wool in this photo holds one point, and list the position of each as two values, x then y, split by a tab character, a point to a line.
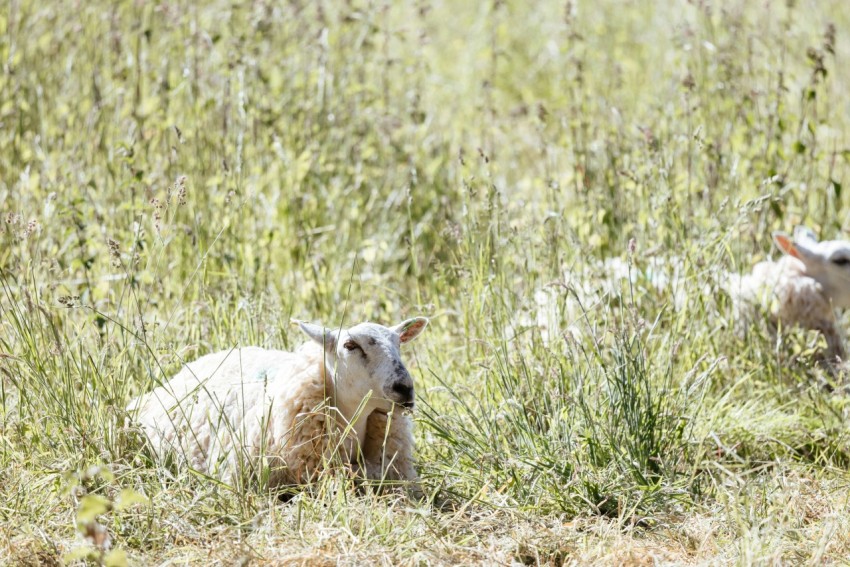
262	375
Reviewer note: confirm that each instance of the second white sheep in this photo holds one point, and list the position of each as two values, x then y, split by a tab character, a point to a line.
802	288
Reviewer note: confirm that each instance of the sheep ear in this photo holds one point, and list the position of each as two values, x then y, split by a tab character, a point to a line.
785	244
410	329
318	333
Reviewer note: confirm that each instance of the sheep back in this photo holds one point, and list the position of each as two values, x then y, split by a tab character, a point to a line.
243	407
783	291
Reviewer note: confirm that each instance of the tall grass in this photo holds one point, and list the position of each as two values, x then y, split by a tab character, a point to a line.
177	179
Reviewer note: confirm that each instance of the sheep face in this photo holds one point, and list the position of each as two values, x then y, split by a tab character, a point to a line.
367	359
826	262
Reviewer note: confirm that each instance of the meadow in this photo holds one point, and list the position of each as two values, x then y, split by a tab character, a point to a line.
178	178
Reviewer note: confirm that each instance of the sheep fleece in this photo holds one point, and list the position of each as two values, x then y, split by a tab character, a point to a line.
791	297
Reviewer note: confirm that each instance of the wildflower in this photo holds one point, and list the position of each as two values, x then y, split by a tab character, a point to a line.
157	212
181	190
829	39
69	301
114	252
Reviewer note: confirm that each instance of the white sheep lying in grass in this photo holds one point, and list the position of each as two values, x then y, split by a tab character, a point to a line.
287	414
802	288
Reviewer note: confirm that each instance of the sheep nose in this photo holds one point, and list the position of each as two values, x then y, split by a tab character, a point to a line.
405	394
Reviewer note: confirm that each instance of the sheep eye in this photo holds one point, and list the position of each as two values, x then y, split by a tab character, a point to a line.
841	262
351	345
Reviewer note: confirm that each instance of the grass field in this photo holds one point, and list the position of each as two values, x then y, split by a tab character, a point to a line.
178	178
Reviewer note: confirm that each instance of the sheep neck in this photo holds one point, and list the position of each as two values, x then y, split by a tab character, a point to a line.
346	409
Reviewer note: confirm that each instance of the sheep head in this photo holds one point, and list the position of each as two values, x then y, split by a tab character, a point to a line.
367	362
827	262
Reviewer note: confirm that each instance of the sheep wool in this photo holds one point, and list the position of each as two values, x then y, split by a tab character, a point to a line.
802	288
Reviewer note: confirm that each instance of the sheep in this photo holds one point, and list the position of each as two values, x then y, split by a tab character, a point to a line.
802	288
342	393
561	308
